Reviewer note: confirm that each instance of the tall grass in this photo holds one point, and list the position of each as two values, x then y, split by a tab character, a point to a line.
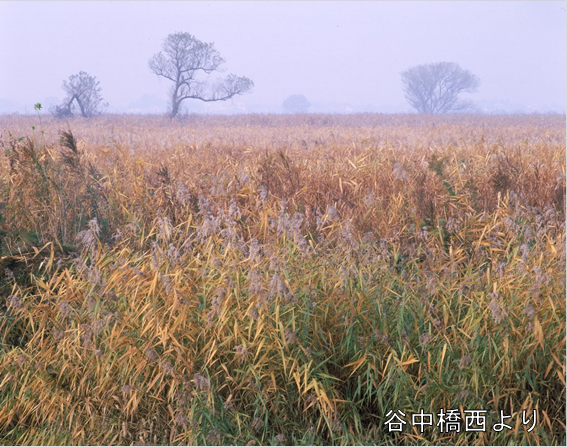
281	280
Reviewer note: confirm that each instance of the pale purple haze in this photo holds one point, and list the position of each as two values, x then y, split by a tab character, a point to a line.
343	56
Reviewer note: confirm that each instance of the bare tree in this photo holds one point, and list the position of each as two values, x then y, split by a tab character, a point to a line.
187	62
83	94
434	88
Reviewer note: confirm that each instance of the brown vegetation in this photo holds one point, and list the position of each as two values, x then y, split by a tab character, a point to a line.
276	279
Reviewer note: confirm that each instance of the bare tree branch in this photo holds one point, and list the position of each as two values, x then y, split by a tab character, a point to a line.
185	61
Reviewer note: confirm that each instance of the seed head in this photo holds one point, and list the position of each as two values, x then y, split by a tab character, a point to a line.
214	437
332	213
98	325
422	234
93	226
182	194
256	287
498	312
173	254
167	368
21	360
242	352
201	383
465	361
382	338
151	354
336	425
234	211
529	311
399	172
218	300
15	302
290	336
127	389
180	419
452	225
185	396
278	287
463	395
254	252
57	334
438	323
254	314
425	339
312	399
87	335
257	424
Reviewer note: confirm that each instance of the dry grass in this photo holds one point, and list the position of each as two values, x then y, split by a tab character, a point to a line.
281	280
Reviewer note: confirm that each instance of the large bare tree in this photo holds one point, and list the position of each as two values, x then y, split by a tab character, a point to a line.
187	62
435	88
83	95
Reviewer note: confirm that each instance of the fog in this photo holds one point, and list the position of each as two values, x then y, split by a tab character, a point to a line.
343	56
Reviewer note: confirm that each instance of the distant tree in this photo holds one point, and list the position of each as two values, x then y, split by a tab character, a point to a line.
186	61
434	88
83	95
296	104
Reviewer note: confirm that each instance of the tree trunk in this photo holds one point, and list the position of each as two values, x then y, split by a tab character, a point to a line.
83	111
174	109
175	101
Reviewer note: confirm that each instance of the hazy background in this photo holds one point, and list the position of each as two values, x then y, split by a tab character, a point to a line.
343	56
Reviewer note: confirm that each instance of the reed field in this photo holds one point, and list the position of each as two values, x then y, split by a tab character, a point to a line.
282	280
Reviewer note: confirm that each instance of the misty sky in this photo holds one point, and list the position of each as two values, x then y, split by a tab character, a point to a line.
343	56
